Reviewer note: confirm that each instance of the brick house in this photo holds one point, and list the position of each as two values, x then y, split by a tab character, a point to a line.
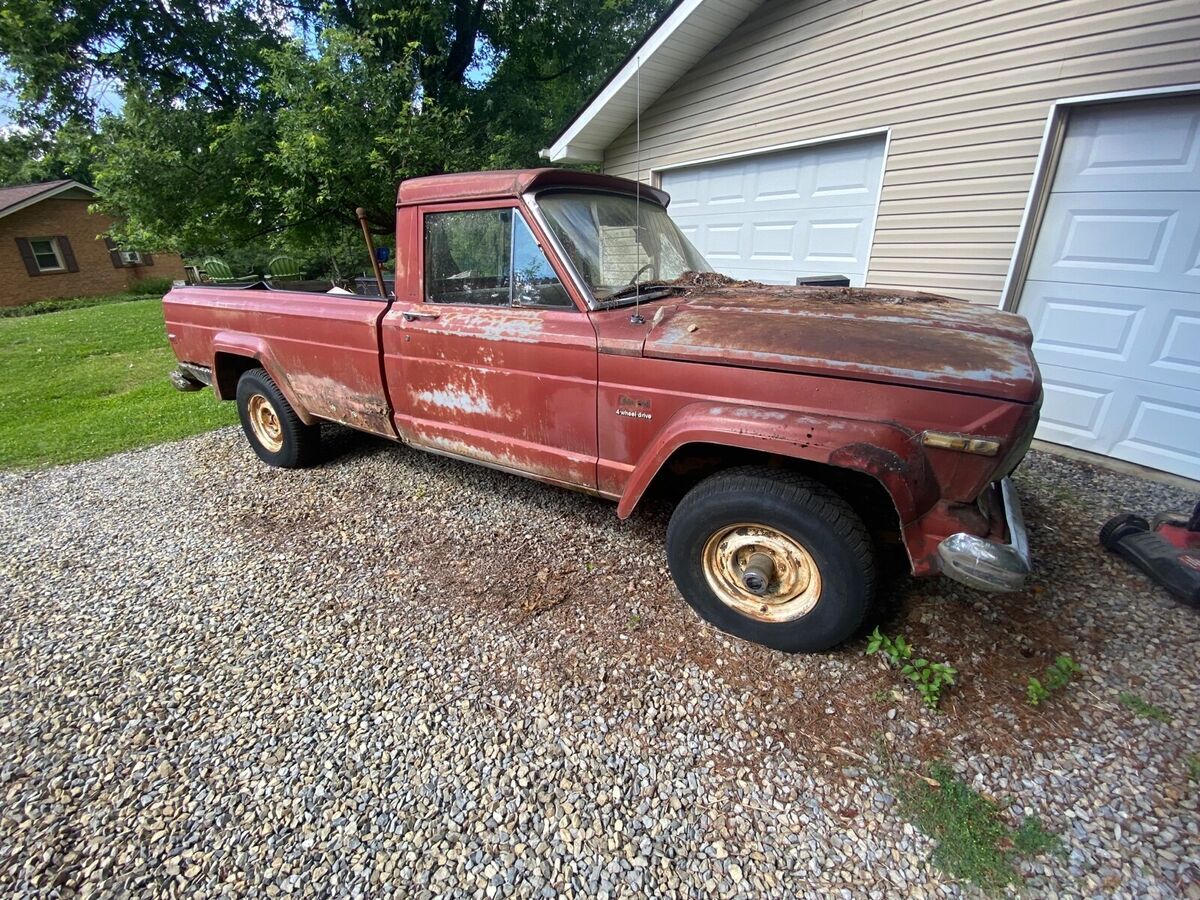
52	246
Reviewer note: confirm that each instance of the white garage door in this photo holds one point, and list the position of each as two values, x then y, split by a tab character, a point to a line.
1113	290
777	216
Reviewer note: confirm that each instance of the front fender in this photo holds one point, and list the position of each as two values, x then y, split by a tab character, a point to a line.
887	452
256	348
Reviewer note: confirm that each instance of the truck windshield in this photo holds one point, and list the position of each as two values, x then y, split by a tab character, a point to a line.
601	234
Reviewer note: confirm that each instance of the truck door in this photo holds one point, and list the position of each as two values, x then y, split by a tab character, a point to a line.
492	360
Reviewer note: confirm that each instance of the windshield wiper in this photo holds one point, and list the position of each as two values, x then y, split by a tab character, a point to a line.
629	290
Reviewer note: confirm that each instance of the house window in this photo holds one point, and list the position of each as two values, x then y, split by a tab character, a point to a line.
47	255
131	257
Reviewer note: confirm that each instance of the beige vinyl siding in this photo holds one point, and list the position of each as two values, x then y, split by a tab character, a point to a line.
964	86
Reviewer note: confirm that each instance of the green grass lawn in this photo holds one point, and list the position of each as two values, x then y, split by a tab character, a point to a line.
84	383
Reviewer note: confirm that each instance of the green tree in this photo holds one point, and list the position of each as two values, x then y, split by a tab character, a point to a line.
350	126
267	122
185	177
63	51
547	59
32	155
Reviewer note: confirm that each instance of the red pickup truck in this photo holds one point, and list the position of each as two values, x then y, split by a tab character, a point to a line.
559	325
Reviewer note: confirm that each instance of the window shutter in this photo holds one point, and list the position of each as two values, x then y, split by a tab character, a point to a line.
68	255
26	252
113	253
147	259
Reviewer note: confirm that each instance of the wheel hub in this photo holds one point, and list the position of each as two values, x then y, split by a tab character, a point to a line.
760	569
761	572
265	423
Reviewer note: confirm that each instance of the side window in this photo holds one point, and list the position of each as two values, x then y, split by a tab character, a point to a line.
467	257
46	253
534	280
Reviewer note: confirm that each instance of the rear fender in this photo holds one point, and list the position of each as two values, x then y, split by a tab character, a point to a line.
258	349
890	454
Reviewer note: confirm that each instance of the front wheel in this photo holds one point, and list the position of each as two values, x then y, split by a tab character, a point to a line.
772	557
272	427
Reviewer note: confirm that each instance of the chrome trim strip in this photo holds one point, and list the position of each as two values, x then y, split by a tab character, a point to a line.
1017	536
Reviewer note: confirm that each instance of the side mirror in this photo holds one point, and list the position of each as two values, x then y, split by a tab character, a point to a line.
382	254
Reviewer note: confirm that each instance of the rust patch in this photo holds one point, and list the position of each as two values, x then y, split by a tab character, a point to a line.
914	339
910	482
558	470
359	405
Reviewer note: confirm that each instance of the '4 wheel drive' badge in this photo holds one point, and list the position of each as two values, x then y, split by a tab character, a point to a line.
633	407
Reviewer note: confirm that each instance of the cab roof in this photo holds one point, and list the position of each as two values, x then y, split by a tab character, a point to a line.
511	183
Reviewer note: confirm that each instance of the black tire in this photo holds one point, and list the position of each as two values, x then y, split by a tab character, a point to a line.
802	510
1121	526
297	444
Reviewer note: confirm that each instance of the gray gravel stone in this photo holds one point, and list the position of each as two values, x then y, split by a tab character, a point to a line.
397	675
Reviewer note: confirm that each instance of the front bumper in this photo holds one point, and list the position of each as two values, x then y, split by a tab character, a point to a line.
988	565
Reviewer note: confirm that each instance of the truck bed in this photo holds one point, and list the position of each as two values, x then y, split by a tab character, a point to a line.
301	336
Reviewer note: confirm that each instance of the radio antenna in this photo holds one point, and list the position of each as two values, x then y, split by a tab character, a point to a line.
637	318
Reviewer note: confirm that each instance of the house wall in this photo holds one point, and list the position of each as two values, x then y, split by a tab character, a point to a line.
965	87
96	274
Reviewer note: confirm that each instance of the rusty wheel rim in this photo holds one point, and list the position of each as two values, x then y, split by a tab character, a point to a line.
265	423
734	559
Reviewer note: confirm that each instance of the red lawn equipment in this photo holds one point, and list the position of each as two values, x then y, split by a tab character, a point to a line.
1167	549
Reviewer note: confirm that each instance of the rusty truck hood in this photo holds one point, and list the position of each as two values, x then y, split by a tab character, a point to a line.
886	336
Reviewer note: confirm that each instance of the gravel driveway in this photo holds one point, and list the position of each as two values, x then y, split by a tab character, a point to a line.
403	675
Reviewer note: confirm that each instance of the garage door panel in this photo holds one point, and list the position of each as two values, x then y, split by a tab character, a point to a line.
724	240
685	191
1138	146
1180	348
772	216
1150	424
724	188
775	241
782	215
1079	328
1150	335
1113	289
842	241
779	180
1075	406
1128	239
846	171
1164	432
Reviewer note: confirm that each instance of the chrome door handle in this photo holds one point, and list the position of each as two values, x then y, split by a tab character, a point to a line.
424	317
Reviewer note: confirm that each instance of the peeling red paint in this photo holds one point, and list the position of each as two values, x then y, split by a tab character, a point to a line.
914	339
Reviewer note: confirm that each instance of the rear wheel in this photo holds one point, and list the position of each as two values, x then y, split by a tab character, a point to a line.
772	557
276	433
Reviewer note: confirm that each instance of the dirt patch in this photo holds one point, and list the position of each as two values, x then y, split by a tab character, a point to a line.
864	295
709	280
693	282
